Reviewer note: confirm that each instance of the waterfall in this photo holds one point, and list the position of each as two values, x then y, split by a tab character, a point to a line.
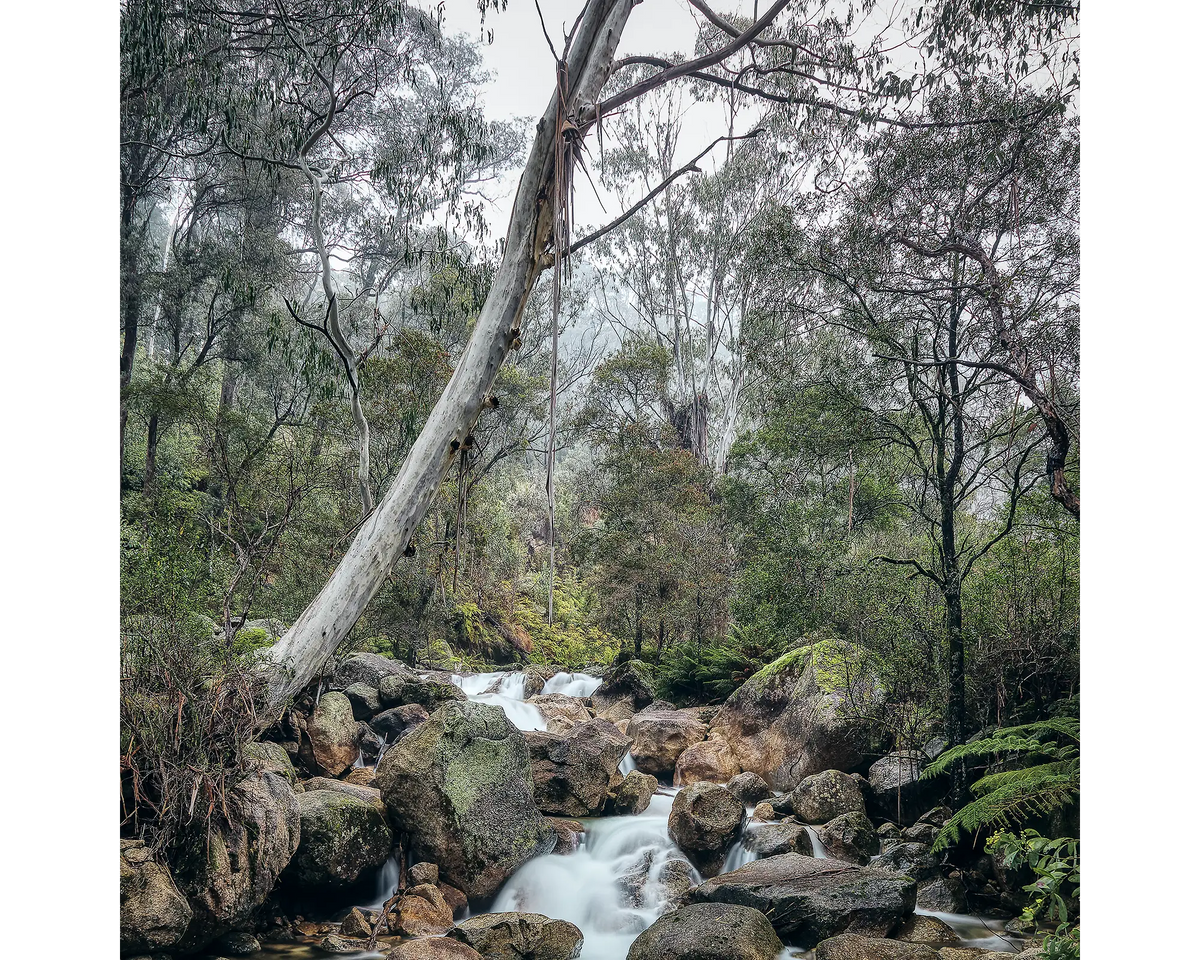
973	931
506	690
819	851
742	852
385	883
627	765
572	684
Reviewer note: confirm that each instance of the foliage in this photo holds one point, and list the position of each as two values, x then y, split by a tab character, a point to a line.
1035	771
1054	894
713	672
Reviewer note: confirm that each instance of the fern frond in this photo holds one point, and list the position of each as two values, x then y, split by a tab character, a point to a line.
1030	776
1009	804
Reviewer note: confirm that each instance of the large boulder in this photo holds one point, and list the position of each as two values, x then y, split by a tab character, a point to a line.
632	794
424	912
433	948
227	871
331	738
772	839
659	737
708	931
520	936
748	787
461	787
914	859
561	712
850	837
364	700
261	756
712	760
398	721
897	792
632	681
851	946
942	895
825	795
809	900
789	720
430	694
368	668
154	914
929	930
572	771
705	819
344	834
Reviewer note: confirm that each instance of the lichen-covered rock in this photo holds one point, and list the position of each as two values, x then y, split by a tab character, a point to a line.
787	721
704	821
461	787
850	946
154	914
520	936
772	839
433	948
712	760
343	835
264	755
361	777
942	895
849	837
572	771
929	930
561	712
708	931
420	873
369	668
676	878
398	721
424	912
809	900
330	743
632	795
749	787
227	872
632	681
825	795
913	859
364	700
896	790
659	738
764	811
430	694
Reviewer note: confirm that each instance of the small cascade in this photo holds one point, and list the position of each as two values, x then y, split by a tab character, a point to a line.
609	887
975	931
506	690
572	684
385	883
627	765
741	853
819	851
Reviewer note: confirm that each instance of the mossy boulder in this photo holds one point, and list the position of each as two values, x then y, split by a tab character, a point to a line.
343	835
430	694
154	914
793	719
632	681
460	785
520	936
261	756
825	795
330	743
850	837
708	931
364	700
705	818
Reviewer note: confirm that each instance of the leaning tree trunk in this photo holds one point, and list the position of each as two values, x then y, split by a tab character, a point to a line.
385	535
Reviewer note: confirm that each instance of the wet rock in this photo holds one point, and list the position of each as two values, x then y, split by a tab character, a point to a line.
913	859
420	873
928	930
920	833
764	811
676	878
659	738
462	786
569	833
942	895
562	712
336	943
343	834
362	777
536	675
772	839
632	681
430	694
433	948
397	722
749	787
154	914
572	771
810	900
520	936
424	912
888	831
825	795
356	924
631	795
708	931
330	742
238	944
364	700
619	713
368	668
849	837
896	791
262	756
455	897
704	821
849	946
712	760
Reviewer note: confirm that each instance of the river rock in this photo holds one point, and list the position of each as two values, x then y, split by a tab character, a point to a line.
809	900
461	786
659	738
572	771
398	721
356	924
237	944
896	791
569	833
749	787
363	792
368	668
344	833
154	914
364	700
430	694
420	873
788	721
704	821
336	943
562	712
929	930
632	681
261	756
943	895
227	872
825	795
536	675
920	833
676	878
850	946
850	837
433	948
913	859
764	811
772	839
712	760
708	931
361	777
424	912
520	936
330	742
632	795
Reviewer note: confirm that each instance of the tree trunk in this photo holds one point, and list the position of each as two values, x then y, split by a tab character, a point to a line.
384	536
130	308
151	453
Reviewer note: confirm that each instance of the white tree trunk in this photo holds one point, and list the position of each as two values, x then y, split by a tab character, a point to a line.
381	541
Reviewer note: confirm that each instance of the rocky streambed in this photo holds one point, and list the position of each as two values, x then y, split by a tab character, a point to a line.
545	814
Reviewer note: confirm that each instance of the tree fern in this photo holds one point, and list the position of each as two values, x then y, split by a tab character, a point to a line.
1038	773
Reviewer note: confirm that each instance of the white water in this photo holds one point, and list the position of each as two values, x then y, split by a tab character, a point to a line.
505	690
627	765
585	886
572	684
974	931
385	883
819	851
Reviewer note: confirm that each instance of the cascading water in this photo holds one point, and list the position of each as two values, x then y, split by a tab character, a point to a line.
974	931
505	690
385	883
572	684
610	887
819	851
